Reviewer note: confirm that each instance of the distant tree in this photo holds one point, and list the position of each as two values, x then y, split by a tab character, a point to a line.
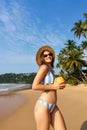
78	29
84	48
84	23
17	78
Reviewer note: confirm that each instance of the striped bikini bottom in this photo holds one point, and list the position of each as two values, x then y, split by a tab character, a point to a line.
50	106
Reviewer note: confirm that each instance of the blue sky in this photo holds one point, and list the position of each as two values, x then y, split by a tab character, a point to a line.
26	25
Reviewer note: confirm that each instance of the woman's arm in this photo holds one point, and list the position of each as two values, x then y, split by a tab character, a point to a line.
37	85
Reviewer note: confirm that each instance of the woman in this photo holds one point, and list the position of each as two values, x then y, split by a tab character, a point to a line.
46	111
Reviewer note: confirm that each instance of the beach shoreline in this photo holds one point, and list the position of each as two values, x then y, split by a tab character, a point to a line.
9	103
71	101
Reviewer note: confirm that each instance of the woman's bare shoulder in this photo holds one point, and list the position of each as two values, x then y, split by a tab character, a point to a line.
40	74
43	69
44	66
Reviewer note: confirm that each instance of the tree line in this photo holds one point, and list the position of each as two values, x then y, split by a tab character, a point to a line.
17	78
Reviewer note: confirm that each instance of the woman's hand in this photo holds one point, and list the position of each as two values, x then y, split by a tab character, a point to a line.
59	85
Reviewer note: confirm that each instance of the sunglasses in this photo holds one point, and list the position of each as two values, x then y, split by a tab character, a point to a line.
45	55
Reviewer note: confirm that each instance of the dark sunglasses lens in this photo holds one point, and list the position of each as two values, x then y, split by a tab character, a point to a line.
50	54
45	55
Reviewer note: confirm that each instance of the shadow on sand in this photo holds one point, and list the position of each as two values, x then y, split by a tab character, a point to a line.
84	126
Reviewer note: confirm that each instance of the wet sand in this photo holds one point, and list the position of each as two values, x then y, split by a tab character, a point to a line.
16	110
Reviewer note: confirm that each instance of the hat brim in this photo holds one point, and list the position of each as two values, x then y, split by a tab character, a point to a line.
39	52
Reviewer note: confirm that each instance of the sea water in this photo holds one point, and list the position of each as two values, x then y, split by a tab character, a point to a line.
10	100
7	88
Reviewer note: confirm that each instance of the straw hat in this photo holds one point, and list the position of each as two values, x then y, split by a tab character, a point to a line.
40	51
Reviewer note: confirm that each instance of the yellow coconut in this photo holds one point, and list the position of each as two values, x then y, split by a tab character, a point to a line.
59	80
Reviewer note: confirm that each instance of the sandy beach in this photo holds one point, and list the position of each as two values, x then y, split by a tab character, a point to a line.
16	110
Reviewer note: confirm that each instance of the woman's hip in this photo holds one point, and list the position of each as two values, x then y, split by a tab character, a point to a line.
49	106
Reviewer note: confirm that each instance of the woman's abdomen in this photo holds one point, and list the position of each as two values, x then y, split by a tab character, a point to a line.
49	96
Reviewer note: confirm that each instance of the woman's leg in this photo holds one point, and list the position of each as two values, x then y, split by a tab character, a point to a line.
57	120
42	117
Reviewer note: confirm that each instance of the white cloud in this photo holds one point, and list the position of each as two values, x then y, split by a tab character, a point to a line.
24	59
12	58
22	33
21	25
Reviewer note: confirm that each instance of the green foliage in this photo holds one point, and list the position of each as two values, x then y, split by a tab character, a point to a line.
17	78
80	27
71	63
71	59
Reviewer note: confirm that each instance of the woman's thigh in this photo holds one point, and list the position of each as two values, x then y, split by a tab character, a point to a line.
42	117
57	120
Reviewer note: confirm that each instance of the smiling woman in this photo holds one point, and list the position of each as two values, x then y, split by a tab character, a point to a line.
46	108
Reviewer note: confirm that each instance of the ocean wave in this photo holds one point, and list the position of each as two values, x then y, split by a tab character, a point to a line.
8	88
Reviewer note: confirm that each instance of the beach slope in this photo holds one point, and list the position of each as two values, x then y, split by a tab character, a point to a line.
18	113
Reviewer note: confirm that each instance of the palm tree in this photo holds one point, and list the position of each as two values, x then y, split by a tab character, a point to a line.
84	47
85	15
70	59
70	54
70	44
78	29
84	23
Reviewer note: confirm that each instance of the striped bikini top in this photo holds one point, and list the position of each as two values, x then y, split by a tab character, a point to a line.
49	78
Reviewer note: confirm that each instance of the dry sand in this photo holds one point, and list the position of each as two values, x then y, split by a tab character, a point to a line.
16	110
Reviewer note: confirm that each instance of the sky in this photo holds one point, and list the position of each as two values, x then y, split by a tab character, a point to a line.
26	25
